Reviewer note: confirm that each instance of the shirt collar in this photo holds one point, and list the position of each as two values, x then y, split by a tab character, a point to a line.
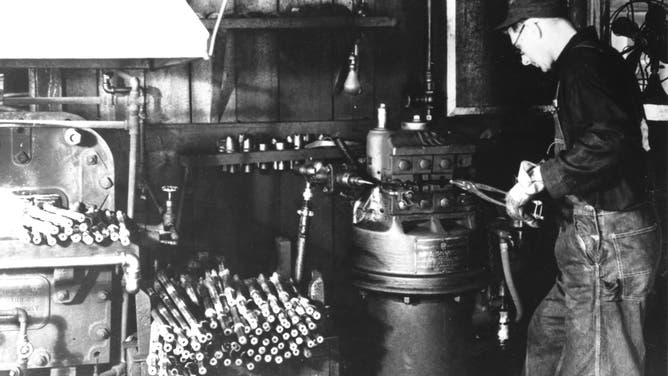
585	34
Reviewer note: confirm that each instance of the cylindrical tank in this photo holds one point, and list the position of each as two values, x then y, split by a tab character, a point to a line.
418	281
420	336
425	256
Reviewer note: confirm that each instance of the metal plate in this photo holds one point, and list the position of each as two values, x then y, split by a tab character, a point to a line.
445	255
39	159
32	293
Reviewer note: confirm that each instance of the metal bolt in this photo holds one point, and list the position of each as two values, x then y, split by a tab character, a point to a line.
21	157
91	159
106	182
62	295
42	360
101	333
407	300
103	295
72	136
25	350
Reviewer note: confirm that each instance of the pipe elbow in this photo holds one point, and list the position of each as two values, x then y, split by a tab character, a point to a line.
132	272
117	370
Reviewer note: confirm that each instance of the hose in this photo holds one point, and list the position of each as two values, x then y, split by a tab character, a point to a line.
505	262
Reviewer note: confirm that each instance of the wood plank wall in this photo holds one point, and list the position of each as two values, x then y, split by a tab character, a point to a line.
258	76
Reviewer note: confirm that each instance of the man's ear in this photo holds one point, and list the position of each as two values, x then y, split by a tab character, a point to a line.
536	27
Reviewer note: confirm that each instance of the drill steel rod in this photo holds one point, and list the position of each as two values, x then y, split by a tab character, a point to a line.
189	304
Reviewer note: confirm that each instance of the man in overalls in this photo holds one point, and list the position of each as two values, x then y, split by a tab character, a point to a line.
608	248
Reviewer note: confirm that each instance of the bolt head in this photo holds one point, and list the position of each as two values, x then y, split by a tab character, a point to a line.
22	157
62	295
106	182
42	360
72	136
445	163
25	350
102	333
91	160
103	295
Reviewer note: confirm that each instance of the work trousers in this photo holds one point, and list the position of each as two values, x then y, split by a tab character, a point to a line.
591	322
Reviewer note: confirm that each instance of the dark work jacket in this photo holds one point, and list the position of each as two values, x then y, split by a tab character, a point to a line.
600	110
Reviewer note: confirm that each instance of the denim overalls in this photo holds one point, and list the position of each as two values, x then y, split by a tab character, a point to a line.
591	322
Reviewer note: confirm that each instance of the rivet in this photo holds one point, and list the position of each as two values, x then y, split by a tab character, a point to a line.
106	182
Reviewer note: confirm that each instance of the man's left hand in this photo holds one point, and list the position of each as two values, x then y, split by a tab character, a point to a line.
517	200
529	183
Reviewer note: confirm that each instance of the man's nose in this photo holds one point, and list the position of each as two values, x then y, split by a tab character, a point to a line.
525	60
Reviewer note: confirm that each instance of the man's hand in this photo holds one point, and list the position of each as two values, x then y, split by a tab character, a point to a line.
529	183
516	201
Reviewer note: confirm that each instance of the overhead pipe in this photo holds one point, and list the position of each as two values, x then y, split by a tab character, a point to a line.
42	123
23	101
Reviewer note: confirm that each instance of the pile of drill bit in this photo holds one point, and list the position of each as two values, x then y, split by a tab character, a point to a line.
201	325
45	223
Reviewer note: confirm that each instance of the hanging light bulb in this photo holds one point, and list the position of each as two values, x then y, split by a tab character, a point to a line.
352	85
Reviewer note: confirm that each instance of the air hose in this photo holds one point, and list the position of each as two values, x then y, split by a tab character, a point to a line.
507	274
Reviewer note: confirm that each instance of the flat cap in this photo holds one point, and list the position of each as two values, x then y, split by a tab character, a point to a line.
519	10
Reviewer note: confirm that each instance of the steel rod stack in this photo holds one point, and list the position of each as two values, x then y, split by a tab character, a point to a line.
45	223
216	320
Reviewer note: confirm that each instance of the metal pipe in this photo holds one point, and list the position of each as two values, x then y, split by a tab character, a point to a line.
117	370
109	88
94	124
22	101
304	214
133	130
129	260
429	36
125	312
429	83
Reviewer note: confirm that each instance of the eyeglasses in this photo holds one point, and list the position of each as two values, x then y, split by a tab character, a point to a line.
519	34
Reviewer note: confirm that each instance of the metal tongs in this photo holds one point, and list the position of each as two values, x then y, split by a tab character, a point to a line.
479	189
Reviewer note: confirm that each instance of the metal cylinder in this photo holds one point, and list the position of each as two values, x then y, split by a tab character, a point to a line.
420	257
418	280
413	336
